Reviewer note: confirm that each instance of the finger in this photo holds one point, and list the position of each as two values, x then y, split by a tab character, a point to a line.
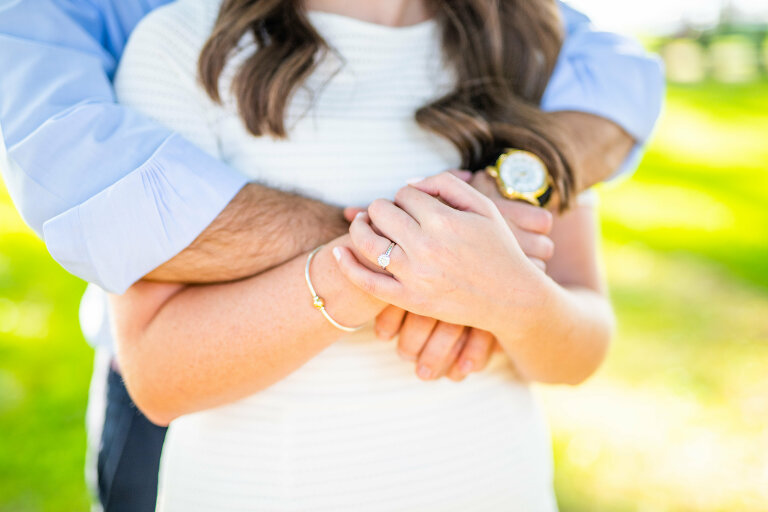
414	335
462	174
486	185
381	286
372	246
475	355
351	211
526	216
420	205
455	352
393	222
456	193
389	322
535	246
451	371
438	351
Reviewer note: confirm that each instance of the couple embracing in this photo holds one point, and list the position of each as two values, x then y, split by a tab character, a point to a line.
461	136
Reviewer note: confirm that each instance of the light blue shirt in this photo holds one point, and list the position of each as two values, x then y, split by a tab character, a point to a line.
114	194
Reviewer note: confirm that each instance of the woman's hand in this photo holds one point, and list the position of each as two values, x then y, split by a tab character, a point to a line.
442	349
530	224
455	259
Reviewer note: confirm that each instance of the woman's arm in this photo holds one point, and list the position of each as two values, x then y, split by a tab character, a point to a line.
571	337
458	262
187	348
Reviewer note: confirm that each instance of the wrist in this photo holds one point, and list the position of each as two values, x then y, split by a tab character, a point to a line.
527	303
345	303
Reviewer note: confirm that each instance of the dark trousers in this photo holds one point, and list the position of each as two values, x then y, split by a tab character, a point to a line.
129	453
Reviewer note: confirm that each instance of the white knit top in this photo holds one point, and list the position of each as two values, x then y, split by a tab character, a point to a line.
354	429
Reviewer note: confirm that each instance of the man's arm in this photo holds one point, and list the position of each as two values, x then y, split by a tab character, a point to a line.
606	92
599	147
240	243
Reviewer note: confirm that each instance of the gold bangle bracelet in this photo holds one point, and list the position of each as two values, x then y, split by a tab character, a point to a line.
318	302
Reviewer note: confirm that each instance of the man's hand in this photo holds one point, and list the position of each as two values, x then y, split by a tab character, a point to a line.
530	224
439	349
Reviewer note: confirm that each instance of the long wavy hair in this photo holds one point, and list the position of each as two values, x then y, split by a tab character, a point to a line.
503	53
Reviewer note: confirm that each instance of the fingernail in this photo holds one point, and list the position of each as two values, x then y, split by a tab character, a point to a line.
359	214
466	366
336	253
411	181
424	372
405	356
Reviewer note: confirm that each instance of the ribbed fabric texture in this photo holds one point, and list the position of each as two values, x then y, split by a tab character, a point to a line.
353	429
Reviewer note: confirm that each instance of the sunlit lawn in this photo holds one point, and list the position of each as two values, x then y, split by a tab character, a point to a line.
678	418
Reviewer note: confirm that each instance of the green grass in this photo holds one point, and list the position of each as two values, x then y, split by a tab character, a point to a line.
676	420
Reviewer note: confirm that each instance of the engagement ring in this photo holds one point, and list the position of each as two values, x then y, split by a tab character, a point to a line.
383	259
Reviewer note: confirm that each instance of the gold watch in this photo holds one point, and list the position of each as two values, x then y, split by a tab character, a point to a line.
522	175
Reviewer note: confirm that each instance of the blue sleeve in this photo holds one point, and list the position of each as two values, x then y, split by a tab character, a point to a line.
113	193
607	75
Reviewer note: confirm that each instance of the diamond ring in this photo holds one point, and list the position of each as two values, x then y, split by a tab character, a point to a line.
383	259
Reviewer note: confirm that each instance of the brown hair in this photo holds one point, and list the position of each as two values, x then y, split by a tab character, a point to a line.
503	53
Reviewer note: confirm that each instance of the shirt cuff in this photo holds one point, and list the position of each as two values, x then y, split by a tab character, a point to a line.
130	228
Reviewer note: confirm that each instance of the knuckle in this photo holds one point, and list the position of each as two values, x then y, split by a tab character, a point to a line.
367	246
451	331
422	322
547	248
429	247
541	220
408	348
402	194
387	322
368	285
488	203
355	232
531	218
440	222
475	351
377	207
429	357
385	327
539	247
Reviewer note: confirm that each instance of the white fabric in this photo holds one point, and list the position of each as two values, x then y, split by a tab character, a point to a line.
353	429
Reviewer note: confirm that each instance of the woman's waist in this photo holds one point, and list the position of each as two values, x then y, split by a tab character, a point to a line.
360	372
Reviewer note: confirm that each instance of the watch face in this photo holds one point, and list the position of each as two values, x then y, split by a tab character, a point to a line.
523	172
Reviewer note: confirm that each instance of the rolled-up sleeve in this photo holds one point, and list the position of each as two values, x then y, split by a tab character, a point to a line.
113	193
608	75
171	198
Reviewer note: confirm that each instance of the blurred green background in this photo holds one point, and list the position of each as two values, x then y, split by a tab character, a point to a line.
677	420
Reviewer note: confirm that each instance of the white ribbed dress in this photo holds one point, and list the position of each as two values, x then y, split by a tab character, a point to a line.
353	429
